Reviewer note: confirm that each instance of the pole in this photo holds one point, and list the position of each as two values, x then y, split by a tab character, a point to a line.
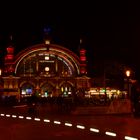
105	84
128	87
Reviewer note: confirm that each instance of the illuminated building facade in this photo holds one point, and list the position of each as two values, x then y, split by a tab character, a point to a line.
44	70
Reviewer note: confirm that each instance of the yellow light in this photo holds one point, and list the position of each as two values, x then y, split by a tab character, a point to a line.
62	89
47	69
118	91
128	73
47	58
47	41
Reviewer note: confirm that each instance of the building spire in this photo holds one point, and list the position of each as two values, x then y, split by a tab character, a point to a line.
11	38
83	59
81	40
47	37
9	57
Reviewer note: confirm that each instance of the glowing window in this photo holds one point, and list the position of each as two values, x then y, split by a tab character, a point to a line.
47	42
47	58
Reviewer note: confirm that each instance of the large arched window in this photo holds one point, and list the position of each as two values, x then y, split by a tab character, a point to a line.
47	60
44	64
47	90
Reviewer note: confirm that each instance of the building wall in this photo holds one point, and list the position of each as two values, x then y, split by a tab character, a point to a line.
45	70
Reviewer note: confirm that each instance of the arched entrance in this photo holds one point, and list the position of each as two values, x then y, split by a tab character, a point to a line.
47	90
67	89
27	90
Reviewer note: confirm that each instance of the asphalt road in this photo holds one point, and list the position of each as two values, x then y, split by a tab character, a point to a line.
21	128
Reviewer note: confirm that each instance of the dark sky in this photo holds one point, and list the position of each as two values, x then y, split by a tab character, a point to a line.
110	30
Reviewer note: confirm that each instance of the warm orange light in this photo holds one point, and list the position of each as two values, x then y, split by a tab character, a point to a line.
47	42
47	68
128	73
47	58
0	72
80	41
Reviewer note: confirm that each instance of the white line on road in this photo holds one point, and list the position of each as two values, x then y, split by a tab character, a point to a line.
2	114
28	118
21	117
45	120
57	122
80	127
68	124
130	138
36	119
94	130
7	115
14	116
110	134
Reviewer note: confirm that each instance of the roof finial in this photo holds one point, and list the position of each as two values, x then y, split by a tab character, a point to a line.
47	30
47	35
81	41
11	37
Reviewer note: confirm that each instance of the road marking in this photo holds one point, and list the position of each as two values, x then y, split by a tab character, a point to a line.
2	114
130	138
45	120
21	117
80	126
36	119
28	118
68	124
7	115
57	122
14	116
110	134
94	130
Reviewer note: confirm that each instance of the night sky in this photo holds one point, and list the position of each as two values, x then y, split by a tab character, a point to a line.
110	30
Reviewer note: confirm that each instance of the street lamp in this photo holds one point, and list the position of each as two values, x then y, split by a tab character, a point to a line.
128	73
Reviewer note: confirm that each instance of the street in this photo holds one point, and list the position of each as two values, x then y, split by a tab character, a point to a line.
15	125
21	129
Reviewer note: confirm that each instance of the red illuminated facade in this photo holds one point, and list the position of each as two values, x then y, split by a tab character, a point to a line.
45	70
83	63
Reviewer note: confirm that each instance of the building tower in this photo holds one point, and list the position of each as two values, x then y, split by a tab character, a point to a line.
83	59
9	59
47	37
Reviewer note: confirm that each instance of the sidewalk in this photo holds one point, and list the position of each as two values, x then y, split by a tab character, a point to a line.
116	107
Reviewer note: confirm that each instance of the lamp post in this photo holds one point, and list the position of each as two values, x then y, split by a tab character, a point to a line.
128	73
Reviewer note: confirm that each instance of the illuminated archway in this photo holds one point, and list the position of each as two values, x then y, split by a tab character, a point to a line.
66	88
47	89
66	59
27	89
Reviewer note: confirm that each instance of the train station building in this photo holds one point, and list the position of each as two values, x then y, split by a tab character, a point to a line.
44	70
